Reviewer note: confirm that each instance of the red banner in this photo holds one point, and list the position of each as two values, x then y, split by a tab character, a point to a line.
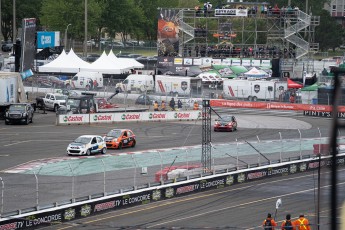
273	106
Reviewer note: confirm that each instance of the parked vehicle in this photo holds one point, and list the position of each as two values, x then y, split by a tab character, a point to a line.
52	101
19	113
48	81
87	145
85	80
147	100
92	57
6	46
253	90
225	123
177	85
136	82
120	138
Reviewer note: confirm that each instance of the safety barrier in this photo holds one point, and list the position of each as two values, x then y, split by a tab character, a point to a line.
155	192
127	116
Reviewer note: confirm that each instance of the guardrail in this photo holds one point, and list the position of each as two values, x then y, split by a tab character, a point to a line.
97	204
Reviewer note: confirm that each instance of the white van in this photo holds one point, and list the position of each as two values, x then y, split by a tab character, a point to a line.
85	80
136	82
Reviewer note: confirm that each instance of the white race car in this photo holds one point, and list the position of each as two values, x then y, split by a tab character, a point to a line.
87	145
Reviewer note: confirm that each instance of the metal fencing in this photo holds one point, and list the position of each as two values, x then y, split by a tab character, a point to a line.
57	181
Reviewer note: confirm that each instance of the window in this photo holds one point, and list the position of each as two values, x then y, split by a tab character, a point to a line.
94	140
125	134
334	7
99	140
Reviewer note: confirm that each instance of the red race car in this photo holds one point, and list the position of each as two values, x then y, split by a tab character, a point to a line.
120	138
225	123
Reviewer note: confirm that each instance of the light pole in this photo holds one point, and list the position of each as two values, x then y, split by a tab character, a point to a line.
66	35
14	23
85	32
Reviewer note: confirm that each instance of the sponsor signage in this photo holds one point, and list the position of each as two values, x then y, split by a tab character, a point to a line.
48	39
102	118
231	12
322	114
74	119
277	106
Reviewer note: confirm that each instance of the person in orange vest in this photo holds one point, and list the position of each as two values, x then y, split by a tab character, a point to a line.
302	223
269	223
163	106
196	105
288	224
155	106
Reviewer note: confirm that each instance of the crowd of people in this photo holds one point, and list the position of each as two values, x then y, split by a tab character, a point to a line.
225	51
301	223
172	105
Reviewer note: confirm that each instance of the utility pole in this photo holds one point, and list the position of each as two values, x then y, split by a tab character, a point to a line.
14	22
85	32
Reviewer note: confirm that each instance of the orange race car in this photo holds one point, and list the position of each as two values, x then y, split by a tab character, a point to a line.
119	138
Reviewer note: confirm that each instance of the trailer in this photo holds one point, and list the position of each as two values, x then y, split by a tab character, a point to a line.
253	90
177	85
11	90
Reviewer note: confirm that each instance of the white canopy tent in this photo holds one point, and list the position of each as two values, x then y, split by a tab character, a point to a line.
254	72
127	63
64	63
104	65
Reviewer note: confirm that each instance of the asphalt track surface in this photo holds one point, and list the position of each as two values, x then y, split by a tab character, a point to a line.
43	139
243	206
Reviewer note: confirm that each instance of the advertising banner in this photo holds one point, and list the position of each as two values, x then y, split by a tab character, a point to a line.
168	32
102	118
322	114
133	116
28	51
274	106
74	119
231	12
47	39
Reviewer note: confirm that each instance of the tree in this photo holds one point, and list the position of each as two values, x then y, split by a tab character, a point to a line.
329	33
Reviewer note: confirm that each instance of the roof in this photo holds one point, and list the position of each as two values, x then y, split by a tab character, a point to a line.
90	136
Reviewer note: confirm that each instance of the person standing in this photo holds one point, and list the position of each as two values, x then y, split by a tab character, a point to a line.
269	223
155	106
288	224
179	104
302	223
172	104
163	106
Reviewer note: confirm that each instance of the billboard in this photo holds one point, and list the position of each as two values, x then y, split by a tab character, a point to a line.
48	39
28	44
168	33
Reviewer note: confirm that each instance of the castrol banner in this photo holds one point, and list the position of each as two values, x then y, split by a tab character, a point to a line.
73	119
130	116
155	116
102	118
273	106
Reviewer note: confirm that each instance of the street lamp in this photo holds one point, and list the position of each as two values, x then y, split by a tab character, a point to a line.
66	36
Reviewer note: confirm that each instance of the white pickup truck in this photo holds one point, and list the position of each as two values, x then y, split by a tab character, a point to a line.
52	101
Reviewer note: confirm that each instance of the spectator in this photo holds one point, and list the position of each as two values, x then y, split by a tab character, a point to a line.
155	106
292	98
302	223
288	224
269	223
163	106
172	104
196	105
179	104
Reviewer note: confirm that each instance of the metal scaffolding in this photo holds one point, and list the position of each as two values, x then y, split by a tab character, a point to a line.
206	136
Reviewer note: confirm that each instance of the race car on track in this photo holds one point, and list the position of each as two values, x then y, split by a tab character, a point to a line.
225	123
87	145
120	138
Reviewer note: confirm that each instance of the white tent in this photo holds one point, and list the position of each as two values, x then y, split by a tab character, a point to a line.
127	63
104	65
64	63
254	72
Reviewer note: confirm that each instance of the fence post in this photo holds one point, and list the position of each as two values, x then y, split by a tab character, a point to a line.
236	154
300	144
320	141
103	177
281	149
36	188
135	171
2	196
259	159
72	181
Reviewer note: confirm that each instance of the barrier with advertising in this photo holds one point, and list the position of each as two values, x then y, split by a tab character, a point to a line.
69	212
273	106
130	116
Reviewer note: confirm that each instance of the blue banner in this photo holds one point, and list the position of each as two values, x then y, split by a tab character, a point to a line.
45	39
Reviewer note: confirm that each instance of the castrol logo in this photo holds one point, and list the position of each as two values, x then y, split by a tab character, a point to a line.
182	115
157	116
130	116
102	117
72	118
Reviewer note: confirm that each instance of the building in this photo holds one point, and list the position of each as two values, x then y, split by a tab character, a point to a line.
337	10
